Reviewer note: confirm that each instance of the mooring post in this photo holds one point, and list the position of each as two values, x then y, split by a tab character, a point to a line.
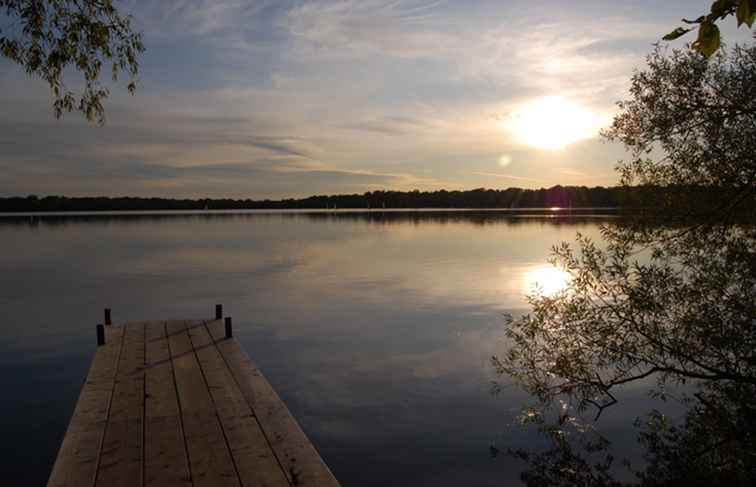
229	330
100	335
218	311
107	317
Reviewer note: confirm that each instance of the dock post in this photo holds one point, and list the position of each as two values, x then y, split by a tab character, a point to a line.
229	330
218	311
107	317
100	335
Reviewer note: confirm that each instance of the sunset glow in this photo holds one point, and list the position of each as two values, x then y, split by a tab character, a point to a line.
553	123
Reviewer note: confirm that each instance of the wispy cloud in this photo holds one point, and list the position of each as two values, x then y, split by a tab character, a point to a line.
390	125
508	176
359	28
290	97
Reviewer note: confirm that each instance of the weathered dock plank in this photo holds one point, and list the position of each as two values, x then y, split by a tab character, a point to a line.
255	461
180	404
300	460
120	463
79	453
209	457
165	459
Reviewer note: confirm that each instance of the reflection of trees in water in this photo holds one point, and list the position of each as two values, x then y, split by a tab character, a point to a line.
685	316
478	218
668	296
402	217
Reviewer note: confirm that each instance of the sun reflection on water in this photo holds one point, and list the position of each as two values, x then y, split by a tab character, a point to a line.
546	280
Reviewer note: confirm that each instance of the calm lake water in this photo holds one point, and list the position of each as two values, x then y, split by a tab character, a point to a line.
376	328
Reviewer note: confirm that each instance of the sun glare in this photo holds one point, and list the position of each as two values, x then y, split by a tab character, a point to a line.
553	123
546	280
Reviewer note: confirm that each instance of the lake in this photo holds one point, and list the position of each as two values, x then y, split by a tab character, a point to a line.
376	328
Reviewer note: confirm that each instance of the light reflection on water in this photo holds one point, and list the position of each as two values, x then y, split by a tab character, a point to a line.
545	280
376	330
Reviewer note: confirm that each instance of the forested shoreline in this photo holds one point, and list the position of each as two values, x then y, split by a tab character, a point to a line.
556	196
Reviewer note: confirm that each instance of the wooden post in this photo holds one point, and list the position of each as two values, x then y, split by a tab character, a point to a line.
218	311
100	335
229	330
107	317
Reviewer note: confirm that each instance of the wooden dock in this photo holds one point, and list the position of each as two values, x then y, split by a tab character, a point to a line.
179	403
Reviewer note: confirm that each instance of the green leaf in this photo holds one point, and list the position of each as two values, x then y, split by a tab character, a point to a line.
722	8
748	8
708	39
680	31
697	21
745	14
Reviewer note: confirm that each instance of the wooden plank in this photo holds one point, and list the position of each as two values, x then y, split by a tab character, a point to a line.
210	459
255	461
176	404
77	459
120	462
300	460
165	458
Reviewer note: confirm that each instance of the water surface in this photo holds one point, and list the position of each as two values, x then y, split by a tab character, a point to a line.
375	328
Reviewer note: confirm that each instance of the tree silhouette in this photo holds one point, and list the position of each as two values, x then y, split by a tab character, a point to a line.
668	295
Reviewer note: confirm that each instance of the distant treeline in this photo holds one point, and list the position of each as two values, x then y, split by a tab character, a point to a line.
561	196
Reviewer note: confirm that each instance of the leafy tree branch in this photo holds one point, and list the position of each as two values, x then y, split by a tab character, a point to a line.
669	295
709	39
50	37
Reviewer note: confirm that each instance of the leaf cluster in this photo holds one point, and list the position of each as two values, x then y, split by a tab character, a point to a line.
714	445
577	456
709	37
690	123
49	37
685	312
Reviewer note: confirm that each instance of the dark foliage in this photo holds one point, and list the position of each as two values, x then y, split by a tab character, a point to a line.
670	298
557	196
50	37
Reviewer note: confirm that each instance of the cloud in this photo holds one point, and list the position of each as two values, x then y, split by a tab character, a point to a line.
145	159
403	29
333	95
508	176
188	18
390	125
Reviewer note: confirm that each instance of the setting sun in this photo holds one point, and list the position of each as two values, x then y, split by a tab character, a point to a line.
553	123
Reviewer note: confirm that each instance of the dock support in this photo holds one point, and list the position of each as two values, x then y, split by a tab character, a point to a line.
229	330
107	317
100	335
218	311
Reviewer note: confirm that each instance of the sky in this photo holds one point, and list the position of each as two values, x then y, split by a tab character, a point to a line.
279	98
